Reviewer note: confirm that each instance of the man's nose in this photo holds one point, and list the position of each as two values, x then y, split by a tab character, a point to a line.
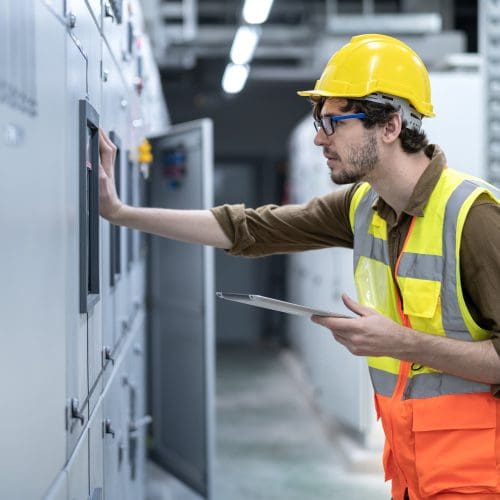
320	138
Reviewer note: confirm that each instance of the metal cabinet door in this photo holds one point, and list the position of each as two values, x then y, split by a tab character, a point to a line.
84	86
77	359
182	317
115	435
137	420
96	447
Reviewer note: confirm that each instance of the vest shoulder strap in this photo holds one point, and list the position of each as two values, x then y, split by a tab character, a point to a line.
359	194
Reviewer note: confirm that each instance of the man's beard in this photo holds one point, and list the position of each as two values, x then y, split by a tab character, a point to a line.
361	161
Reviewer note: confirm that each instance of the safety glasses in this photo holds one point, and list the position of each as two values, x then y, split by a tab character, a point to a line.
327	123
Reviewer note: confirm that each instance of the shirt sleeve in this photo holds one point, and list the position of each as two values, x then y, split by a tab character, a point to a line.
270	229
480	268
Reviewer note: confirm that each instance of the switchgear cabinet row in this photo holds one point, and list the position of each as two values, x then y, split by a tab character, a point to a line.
74	320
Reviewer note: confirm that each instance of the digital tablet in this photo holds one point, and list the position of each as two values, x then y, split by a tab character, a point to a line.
277	305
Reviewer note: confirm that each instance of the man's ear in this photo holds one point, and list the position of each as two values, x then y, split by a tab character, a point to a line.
392	129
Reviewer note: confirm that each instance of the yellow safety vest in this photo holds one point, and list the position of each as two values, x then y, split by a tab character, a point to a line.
442	431
427	284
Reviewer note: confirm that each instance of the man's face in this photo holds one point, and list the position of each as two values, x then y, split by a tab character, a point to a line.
351	151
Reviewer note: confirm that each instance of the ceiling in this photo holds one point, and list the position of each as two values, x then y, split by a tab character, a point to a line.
191	40
299	35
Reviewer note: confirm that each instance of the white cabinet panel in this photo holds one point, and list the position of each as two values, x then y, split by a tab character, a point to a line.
78	471
33	292
59	490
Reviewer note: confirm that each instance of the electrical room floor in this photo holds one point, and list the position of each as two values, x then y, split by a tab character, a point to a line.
271	444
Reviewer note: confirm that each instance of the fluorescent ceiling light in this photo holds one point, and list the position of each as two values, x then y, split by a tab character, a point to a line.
234	78
244	44
256	11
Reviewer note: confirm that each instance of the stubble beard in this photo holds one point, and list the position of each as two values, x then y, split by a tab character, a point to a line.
360	162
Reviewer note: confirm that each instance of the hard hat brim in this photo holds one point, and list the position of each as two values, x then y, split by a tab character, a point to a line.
319	93
325	93
427	111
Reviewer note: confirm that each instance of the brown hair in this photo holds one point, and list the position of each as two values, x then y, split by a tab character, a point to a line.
412	141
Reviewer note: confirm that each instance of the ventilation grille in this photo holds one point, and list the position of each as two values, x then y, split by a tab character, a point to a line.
490	49
17	55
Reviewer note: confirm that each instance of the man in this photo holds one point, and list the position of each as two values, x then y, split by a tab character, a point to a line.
426	243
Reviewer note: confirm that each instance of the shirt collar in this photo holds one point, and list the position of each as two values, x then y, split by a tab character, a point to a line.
423	189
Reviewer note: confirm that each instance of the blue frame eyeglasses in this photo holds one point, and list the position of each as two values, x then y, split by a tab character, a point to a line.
327	123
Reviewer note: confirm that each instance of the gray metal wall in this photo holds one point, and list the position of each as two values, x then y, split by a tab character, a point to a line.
72	348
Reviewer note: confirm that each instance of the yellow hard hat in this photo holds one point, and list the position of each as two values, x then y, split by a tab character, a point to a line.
376	63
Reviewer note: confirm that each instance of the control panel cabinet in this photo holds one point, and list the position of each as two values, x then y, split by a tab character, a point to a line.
73	309
33	295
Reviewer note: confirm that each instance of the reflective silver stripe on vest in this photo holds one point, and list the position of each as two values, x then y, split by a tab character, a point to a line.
428	385
486	185
365	245
383	382
426	267
453	322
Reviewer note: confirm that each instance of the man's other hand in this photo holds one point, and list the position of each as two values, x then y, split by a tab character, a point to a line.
109	203
369	334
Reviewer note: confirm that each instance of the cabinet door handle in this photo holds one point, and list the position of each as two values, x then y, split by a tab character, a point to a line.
108	355
108	11
108	428
75	411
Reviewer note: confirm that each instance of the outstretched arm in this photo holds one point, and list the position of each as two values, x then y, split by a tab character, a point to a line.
372	334
192	226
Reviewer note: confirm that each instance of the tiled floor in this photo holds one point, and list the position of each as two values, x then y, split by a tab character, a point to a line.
271	444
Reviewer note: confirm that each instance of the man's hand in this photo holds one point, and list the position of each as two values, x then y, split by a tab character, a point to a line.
370	334
109	203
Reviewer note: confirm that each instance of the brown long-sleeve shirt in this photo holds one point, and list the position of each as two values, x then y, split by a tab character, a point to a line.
324	222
